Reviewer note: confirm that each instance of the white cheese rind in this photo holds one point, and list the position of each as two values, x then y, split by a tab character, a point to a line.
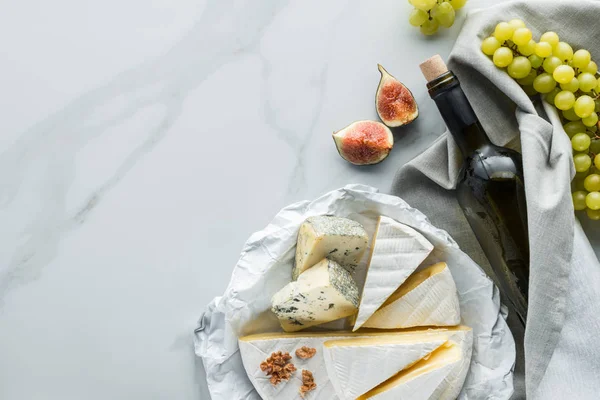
439	380
434	302
356	369
339	239
397	251
322	294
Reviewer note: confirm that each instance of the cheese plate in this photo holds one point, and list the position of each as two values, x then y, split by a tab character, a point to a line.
265	268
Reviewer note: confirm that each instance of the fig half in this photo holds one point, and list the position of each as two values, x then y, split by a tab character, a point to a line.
395	104
364	142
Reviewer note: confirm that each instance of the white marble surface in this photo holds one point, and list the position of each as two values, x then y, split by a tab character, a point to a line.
143	141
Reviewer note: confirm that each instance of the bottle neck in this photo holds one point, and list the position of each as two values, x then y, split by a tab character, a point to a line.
458	114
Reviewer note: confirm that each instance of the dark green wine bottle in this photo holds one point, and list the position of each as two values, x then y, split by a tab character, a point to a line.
490	189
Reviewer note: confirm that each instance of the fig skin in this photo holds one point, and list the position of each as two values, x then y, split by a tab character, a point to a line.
364	142
395	103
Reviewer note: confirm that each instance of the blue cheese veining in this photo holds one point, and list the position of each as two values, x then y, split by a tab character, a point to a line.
339	239
324	293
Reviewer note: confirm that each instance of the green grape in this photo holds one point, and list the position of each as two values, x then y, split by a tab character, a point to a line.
519	68
570	115
581	58
528	48
517	23
536	61
490	45
563	51
573	128
579	200
577	182
503	57
503	31
595	146
592	68
417	17
529	90
550	96
582	162
543	49
584	106
563	74
544	83
597	161
597	101
594	215
592	183
457	4
521	36
598	86
444	14
550	37
564	100
581	142
587	82
424	5
528	80
572	86
592	200
430	27
590	121
551	63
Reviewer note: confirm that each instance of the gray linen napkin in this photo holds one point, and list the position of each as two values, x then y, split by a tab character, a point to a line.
559	355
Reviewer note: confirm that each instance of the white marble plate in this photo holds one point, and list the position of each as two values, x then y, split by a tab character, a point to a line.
265	266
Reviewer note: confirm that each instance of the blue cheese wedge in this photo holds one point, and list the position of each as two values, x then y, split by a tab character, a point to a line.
324	293
339	239
427	297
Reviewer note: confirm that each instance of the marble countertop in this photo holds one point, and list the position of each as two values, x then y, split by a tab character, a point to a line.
143	142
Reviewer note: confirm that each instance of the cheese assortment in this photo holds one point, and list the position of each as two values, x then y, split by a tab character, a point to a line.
325	292
426	298
429	360
339	239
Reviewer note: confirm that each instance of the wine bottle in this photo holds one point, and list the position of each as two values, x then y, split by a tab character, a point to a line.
490	189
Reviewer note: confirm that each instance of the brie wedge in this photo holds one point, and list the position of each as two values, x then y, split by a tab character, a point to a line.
397	251
255	349
355	366
439	376
427	297
339	239
324	293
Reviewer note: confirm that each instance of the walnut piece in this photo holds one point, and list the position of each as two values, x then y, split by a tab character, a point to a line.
306	352
278	367
308	383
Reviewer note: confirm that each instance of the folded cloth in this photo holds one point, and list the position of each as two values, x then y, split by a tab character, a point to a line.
559	357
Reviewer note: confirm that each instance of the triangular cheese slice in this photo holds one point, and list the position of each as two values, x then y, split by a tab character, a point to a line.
426	298
255	349
355	366
397	251
439	376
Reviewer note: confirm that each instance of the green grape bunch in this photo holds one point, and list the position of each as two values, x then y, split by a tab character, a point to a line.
429	15
568	80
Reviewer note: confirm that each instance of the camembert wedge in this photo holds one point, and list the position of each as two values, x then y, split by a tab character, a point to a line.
426	298
397	251
339	239
439	376
355	366
324	293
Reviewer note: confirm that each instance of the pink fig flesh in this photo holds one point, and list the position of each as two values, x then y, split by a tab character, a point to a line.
364	142
395	104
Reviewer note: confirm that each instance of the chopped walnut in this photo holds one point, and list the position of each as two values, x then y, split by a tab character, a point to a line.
306	352
278	367
308	383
